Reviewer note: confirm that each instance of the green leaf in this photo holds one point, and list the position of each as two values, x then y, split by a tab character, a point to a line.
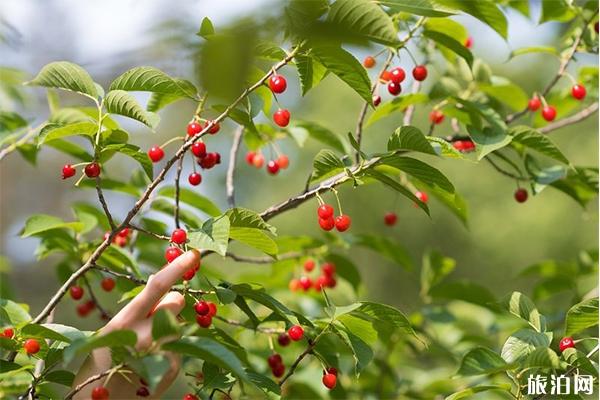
385	247
451	44
346	269
111	184
260	296
326	164
382	315
150	79
425	8
386	180
206	28
213	235
520	305
363	18
343	64
123	103
534	49
152	368
39	223
419	170
321	134
12	313
254	238
264	382
409	138
10	122
542	358
164	324
60	377
556	10
470	392
239	116
311	72
535	140
582	316
193	199
581	185
484	10
134	152
508	93
243	218
485	111
522	343
166	207
399	104
52	132
482	361
488	140
67	76
579	360
361	351
435	267
41	331
209	350
465	291
114	339
448	27
453	201
71	149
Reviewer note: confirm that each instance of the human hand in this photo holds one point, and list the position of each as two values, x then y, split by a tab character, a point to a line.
138	317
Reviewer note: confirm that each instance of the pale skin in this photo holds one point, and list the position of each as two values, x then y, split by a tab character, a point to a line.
138	316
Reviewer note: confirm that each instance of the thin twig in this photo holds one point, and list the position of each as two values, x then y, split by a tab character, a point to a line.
311	345
269	331
24	139
111	222
237	139
149	233
92	379
504	172
410	110
573	119
266	259
103	312
177	178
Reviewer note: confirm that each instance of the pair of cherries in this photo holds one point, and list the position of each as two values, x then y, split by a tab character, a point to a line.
327	221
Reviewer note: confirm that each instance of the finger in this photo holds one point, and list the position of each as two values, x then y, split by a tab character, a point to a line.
161	283
173	302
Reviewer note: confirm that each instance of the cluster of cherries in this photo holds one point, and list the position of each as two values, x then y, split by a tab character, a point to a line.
395	77
102	393
179	238
326	279
327	221
205	311
91	170
578	92
85	308
275	361
121	239
31	346
257	160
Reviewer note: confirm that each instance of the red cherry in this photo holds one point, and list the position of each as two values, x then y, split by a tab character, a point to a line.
68	171
204	320
566	343
214	127
189	274
195	178
259	160
327	224
282	117
369	62
397	75
521	195
385	76
209	160
250	157
376	100
436	116
199	149
331	282
31	346
549	113
596	26
9	333
294	285
422	196
309	265
100	393
390	218
283	339
420	72
142	392
172	253
120	241
325	211
92	170
277	83
179	236
273	167
123	232
278	371
76	292
212	307
84	309
296	333
274	360
156	153
578	91
108	284
534	103
328	269
305	283
468	145
394	88
469	42
342	223
283	161
190	396
329	380
331	370
201	308
194	128
321	282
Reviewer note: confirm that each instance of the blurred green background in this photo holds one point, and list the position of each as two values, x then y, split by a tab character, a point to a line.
109	37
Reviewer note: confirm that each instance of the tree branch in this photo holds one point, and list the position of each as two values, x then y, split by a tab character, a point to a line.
573	119
109	217
311	345
177	178
149	233
24	139
237	139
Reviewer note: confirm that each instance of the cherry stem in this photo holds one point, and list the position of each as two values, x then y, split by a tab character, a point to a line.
337	199
319	199
410	54
174	139
271	346
543	101
573	80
